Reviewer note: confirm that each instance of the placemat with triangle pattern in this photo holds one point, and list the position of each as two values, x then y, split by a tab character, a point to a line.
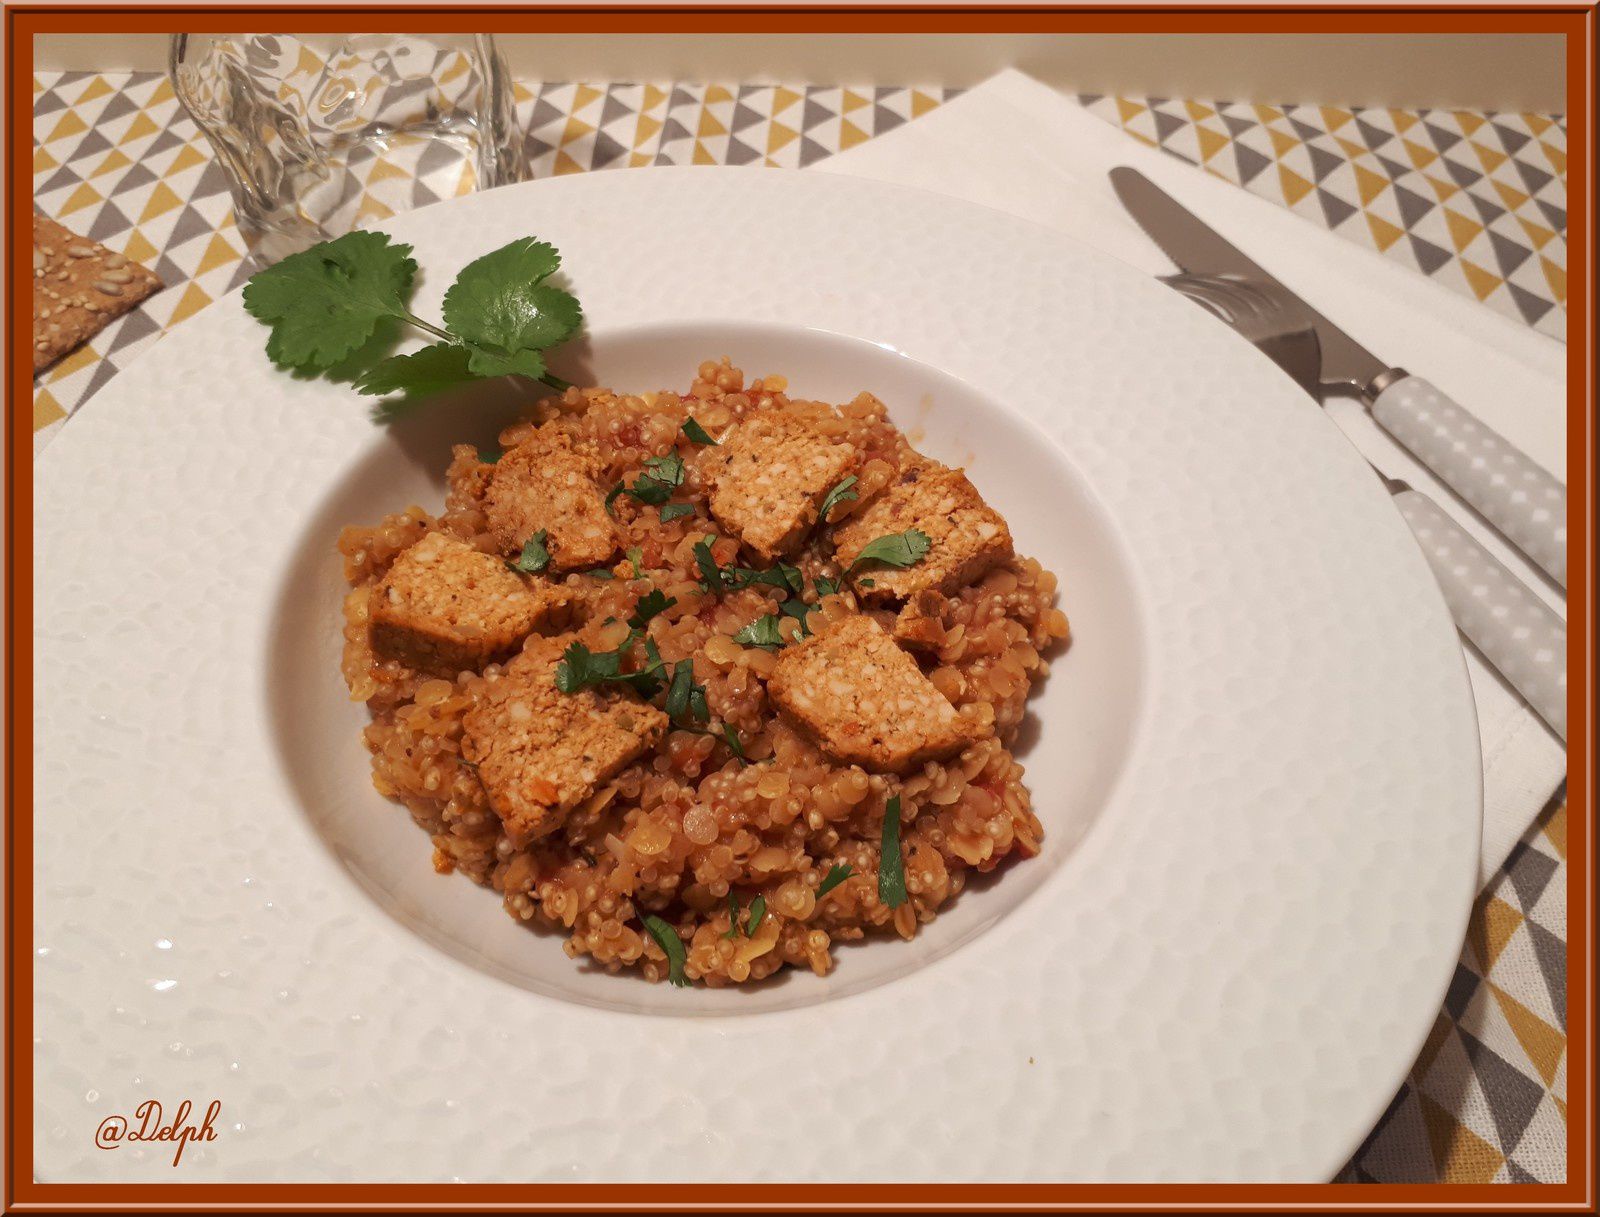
1476	201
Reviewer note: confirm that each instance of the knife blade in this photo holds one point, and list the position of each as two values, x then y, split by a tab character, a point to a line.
1507	487
1199	249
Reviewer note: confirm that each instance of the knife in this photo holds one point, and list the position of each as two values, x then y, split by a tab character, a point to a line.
1507	488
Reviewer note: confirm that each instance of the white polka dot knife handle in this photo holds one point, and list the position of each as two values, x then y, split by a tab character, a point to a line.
1516	631
1515	495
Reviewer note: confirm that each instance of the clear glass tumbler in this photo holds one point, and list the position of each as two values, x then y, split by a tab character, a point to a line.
319	136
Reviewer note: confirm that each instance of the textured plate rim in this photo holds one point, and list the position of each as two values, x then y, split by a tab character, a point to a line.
879	201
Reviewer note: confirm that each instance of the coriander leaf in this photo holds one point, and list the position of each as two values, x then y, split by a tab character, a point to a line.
826	587
674	511
799	610
535	555
762	632
493	363
429	370
733	916
897	549
489	456
652	602
732	737
686	700
667	939
636	559
710	572
835	876
696	433
787	577
581	668
599	572
326	301
663	475
758	910
891	868
844	492
868	582
500	301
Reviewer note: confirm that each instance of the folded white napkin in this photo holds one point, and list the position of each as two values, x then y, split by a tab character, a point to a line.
1018	146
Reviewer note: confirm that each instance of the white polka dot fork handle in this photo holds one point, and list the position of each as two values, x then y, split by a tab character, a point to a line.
1516	631
1508	489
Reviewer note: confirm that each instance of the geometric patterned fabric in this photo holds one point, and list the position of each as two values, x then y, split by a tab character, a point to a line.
1475	201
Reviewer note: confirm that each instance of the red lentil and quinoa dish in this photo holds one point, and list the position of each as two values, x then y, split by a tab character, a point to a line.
707	682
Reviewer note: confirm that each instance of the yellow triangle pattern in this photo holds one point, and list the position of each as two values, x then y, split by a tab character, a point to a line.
1459	1154
1544	1045
190	303
46	410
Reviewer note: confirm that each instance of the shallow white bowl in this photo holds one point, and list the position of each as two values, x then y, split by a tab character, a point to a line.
1256	765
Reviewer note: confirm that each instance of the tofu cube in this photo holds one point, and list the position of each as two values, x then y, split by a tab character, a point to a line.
968	536
769	475
541	752
445	607
547	484
865	701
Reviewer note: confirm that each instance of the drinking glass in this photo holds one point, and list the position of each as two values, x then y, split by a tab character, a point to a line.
321	136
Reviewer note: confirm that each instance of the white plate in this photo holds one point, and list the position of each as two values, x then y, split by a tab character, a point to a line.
1257	764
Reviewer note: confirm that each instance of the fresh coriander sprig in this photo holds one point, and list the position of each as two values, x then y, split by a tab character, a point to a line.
500	315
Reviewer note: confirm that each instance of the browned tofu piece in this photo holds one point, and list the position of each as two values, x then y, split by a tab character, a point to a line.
547	484
541	752
968	536
769	475
865	701
920	624
445	607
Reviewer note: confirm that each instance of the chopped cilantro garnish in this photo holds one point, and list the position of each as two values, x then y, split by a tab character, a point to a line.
897	549
636	558
696	433
758	910
762	632
732	737
600	572
674	511
835	876
844	492
686	699
663	475
535	555
710	572
581	668
667	939
826	587
650	604
733	916
891	868
732	578
489	456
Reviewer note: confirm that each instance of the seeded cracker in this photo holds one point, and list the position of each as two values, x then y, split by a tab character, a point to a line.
79	287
